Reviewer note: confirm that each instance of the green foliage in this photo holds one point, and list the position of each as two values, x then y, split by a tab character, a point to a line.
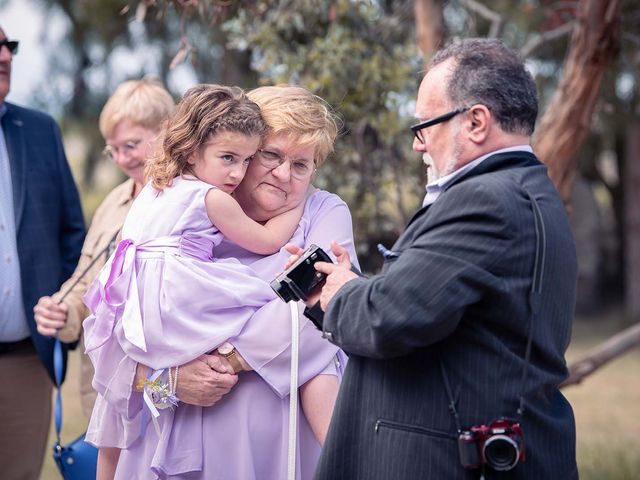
360	56
362	59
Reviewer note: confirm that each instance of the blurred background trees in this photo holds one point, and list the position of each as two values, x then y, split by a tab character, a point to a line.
365	58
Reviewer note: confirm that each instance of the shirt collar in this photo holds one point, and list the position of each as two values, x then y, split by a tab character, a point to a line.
438	186
441	183
3	109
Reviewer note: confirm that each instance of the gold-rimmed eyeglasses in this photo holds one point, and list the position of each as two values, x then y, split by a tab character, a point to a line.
112	151
300	168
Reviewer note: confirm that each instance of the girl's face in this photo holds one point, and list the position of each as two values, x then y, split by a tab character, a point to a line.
222	161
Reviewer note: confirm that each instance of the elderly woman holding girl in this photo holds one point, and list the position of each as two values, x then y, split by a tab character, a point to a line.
245	433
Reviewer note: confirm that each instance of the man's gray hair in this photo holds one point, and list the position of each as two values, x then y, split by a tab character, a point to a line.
485	71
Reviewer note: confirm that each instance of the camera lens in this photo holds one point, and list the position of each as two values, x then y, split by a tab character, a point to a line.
501	452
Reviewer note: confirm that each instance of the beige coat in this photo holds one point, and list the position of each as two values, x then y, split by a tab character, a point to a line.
105	226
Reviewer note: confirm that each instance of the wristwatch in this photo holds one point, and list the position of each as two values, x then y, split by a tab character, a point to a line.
228	351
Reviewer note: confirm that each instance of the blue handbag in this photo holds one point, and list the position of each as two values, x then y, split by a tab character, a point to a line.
76	460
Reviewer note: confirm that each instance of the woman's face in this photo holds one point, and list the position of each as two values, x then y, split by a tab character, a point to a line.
129	146
266	192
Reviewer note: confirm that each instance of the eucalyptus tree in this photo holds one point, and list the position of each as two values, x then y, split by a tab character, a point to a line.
365	58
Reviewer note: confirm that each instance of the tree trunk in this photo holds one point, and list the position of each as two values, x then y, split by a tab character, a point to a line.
566	122
430	26
631	179
605	352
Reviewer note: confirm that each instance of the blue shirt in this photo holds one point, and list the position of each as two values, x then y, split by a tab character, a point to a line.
13	321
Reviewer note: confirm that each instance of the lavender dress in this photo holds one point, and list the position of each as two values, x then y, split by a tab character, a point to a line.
243	436
161	296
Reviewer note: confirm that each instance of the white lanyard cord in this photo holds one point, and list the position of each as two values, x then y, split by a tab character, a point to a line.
293	392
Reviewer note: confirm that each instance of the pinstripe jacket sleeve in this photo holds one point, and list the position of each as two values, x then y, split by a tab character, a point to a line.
421	296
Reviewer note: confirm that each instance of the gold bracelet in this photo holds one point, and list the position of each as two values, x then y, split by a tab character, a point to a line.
139	387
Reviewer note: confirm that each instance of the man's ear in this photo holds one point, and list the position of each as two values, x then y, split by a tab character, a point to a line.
480	125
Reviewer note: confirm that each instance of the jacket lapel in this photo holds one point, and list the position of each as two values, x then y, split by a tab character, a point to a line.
500	161
13	128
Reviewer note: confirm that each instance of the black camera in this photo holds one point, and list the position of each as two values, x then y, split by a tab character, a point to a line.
297	281
499	445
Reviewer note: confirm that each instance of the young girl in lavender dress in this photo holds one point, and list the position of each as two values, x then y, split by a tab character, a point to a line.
163	297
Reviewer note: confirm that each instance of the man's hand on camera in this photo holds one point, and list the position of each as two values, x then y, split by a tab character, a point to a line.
338	273
204	381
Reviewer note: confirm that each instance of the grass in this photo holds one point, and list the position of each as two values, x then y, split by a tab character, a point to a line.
606	406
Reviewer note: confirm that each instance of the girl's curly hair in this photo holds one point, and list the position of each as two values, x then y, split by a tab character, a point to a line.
205	110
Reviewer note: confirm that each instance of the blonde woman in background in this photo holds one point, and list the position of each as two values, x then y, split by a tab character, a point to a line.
130	123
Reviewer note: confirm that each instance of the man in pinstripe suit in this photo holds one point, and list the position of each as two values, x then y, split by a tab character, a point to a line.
41	233
438	340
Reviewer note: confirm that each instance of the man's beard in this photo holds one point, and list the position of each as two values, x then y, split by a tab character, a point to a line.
433	173
451	163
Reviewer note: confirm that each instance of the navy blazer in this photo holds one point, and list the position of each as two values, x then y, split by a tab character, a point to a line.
458	295
49	221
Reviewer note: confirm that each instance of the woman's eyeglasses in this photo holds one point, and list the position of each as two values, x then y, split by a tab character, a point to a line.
300	169
12	45
111	151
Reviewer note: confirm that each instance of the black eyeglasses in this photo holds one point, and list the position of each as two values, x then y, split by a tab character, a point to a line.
417	129
12	45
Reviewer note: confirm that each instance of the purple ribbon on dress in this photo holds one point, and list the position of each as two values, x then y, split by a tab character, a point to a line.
116	288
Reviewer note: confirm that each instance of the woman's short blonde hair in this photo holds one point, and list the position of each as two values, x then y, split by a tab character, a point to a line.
204	110
143	102
296	112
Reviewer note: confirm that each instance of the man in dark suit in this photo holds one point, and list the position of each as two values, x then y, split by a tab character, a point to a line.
484	272
41	233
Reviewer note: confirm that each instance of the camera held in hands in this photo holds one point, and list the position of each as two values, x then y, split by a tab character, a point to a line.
499	445
297	281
